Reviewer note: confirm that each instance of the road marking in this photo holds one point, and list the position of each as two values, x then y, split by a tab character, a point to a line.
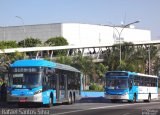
104	107
126	114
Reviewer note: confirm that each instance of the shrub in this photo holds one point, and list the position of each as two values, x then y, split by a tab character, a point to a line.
96	87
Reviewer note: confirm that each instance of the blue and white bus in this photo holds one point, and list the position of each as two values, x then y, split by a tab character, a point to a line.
131	86
42	81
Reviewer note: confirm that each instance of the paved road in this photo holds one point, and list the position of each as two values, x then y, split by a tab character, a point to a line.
110	109
95	106
100	106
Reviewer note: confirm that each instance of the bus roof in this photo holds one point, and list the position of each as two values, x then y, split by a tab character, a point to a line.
66	67
145	75
133	73
42	63
33	63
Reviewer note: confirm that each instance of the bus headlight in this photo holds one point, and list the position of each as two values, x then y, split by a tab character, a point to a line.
36	92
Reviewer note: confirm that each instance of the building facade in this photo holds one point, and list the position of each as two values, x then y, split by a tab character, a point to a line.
76	33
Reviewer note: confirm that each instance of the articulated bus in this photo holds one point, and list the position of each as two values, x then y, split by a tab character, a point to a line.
42	81
130	86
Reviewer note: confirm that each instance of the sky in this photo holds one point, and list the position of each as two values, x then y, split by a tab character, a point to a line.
105	12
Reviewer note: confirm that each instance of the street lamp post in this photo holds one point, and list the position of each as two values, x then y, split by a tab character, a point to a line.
23	26
119	37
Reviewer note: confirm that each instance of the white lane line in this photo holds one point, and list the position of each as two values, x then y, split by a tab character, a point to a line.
104	107
126	113
88	109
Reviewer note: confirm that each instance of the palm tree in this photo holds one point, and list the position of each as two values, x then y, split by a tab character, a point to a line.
85	65
100	70
64	60
111	57
133	58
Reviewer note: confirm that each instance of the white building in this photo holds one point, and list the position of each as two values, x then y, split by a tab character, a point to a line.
76	33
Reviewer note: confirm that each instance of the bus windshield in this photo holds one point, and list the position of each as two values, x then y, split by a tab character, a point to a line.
26	80
117	83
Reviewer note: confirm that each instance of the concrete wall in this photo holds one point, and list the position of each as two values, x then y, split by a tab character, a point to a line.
41	31
92	94
88	34
75	33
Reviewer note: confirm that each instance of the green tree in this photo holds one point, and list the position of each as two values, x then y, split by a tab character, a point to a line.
85	65
8	44
154	59
157	66
134	58
7	59
57	41
101	69
111	57
30	42
64	60
16	56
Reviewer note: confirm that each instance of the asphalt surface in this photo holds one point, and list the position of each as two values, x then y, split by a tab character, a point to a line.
87	106
100	106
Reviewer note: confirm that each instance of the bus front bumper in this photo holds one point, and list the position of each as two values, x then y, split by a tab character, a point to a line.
35	98
119	97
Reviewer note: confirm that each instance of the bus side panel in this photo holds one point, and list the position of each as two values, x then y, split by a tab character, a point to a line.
143	92
154	92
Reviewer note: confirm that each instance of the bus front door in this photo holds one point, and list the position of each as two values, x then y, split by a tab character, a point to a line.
131	93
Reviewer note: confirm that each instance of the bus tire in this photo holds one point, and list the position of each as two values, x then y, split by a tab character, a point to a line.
113	100
74	98
130	101
134	98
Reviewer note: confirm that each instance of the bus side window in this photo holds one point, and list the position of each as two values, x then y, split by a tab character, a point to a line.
136	80
130	83
53	81
44	83
62	82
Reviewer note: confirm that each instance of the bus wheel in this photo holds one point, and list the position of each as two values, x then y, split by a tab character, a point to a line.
113	101
134	98
130	101
74	98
